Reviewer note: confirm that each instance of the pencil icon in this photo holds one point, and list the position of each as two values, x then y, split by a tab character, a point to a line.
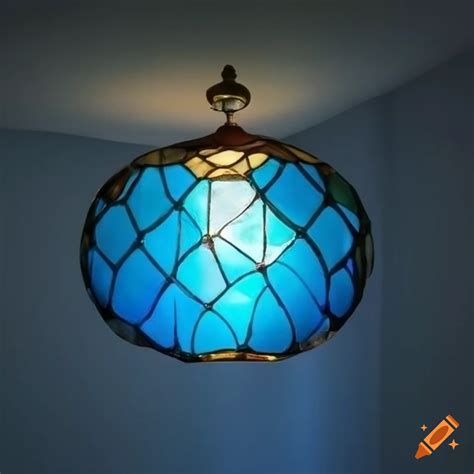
436	437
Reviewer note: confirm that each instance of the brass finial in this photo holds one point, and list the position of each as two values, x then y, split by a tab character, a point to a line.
228	96
228	73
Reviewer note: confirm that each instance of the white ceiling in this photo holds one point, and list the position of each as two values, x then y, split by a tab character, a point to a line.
137	71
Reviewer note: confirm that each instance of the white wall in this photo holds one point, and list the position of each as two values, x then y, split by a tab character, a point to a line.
410	154
349	367
429	257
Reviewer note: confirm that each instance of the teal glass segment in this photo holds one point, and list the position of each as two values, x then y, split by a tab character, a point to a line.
272	330
101	277
137	283
266	263
299	204
146	211
115	233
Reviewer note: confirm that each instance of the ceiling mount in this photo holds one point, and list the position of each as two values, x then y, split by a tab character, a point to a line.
228	96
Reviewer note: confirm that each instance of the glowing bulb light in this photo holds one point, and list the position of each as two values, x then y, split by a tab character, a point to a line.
228	247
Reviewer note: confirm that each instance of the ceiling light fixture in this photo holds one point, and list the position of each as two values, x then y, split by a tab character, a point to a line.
228	247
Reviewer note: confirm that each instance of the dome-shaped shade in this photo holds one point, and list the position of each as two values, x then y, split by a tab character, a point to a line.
229	247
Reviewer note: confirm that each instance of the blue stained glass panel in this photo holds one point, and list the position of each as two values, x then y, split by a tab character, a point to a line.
128	184
212	334
200	273
350	265
178	179
271	331
294	196
279	236
322	329
341	293
228	200
237	304
353	219
188	312
234	263
303	260
162	242
174	303
197	204
264	174
137	285
114	233
314	174
190	234
101	277
160	327
297	300
99	205
332	236
246	232
148	201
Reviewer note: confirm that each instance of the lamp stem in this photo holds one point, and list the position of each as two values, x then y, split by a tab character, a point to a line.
229	118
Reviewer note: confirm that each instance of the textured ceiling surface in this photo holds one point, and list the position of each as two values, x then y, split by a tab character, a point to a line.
137	71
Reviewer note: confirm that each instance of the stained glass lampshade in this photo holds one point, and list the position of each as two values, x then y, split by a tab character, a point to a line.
228	247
